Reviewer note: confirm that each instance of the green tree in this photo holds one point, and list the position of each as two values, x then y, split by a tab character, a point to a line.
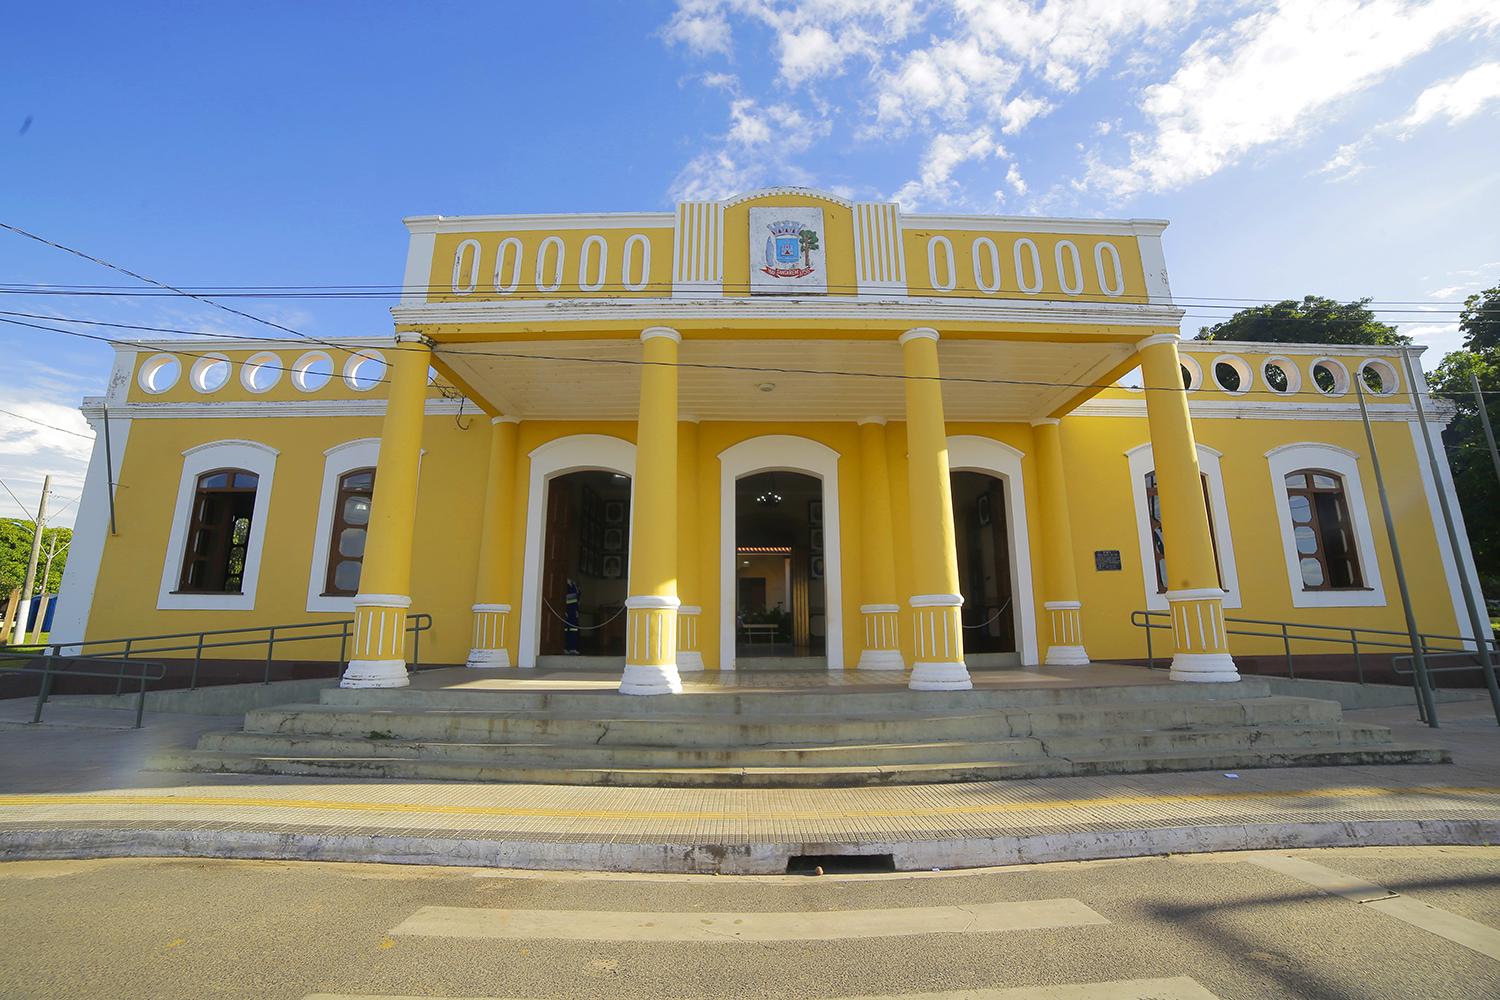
808	240
15	550
1314	320
1468	451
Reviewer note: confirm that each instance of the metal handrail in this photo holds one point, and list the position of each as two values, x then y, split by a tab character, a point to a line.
268	635
48	670
1343	635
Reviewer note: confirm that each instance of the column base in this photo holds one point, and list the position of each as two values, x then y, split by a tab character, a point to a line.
488	659
940	677
375	674
1204	668
1066	656
880	659
689	661
650	679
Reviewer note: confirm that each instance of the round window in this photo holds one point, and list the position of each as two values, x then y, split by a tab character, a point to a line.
1331	378
1232	374
160	373
1192	374
210	373
364	370
261	372
312	371
1281	375
1379	377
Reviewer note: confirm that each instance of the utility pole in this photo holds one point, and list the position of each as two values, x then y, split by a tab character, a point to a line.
1484	419
41	608
36	552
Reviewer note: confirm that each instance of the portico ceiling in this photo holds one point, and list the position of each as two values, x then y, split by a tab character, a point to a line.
778	379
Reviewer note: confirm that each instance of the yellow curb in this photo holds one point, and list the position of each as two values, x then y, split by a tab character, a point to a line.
980	809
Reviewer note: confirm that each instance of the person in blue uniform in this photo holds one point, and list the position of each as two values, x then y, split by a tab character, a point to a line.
570	619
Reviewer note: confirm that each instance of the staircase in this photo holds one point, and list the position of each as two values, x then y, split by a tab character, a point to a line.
821	737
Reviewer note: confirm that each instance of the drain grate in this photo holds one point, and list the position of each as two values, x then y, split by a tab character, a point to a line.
840	864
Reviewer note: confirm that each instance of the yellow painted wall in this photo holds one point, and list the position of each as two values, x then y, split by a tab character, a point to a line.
838	241
451	489
658	285
966	284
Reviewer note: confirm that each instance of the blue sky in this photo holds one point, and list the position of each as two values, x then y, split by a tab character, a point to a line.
1330	147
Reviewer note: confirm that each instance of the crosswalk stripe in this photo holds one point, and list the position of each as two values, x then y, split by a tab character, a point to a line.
614	925
1175	988
1460	930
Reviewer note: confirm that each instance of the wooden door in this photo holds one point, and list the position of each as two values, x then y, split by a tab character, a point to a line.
559	540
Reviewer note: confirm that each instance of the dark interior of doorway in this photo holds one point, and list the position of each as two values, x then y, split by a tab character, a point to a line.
586	541
983	537
779	566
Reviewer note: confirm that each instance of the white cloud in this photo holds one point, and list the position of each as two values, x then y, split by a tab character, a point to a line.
1015	180
1458	98
1266	78
1021	111
945	153
1345	162
700	25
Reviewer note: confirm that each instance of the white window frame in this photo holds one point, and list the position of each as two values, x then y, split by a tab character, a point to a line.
1141	460
338	461
1289	458
252	456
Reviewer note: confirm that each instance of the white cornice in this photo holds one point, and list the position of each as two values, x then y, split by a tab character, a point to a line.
1241	409
518	223
183	345
1188	345
664	311
1032	224
787	192
269	409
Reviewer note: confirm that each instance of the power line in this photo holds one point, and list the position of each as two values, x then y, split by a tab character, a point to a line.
39	423
24	512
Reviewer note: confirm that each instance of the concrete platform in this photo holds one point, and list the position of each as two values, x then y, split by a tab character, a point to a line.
794	729
77	787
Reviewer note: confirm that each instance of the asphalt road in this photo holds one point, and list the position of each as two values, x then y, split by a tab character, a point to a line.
1229	926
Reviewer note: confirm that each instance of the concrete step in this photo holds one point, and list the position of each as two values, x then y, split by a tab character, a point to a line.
474	726
566	755
562	661
794	777
780	664
813	701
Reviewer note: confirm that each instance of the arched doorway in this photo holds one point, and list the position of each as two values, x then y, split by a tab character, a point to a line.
982	535
781	602
585	564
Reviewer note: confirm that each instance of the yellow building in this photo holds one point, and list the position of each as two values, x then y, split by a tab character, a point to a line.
784	425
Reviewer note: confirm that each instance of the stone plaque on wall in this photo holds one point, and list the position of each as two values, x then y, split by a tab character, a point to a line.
1106	559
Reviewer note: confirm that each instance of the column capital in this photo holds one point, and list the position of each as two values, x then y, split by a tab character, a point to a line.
1046	422
412	337
1157	338
871	420
917	333
661	331
505	420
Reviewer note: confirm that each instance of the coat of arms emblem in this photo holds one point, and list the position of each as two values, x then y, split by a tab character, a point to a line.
792	255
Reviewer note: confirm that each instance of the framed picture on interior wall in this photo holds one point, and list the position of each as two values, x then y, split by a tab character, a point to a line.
611	567
815	513
815	568
614	539
984	508
817	540
614	512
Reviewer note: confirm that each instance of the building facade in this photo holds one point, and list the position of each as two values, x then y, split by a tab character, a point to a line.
780	425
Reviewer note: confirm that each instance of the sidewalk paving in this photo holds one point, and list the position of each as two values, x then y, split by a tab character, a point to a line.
75	786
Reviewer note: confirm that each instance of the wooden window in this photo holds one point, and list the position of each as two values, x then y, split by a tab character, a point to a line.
219	534
1158	542
346	543
1323	531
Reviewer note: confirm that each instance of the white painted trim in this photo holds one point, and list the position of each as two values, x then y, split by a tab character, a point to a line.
644	311
569	222
973	453
651	332
1444	548
90	533
557	457
917	333
1031	224
251	456
1316	455
418	273
781	453
366	407
1140	460
1154	267
1209	409
154	364
786	192
339	460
